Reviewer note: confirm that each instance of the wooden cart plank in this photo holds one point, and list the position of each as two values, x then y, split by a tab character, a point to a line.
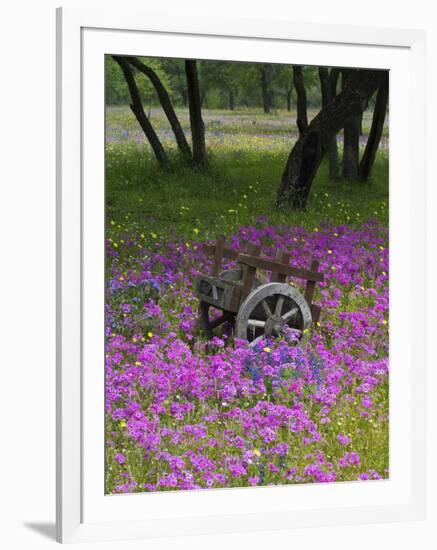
228	253
311	285
249	271
218	254
270	265
283	258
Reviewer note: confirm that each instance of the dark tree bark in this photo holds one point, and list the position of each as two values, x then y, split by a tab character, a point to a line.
196	121
166	105
351	140
375	134
302	117
334	165
231	100
265	89
333	81
137	109
307	153
327	87
272	96
289	99
351	148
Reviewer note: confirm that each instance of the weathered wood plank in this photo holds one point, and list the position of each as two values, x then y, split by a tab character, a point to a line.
311	285
218	255
271	265
228	253
283	258
315	312
249	271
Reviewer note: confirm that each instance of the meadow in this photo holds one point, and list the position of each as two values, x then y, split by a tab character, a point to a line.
186	413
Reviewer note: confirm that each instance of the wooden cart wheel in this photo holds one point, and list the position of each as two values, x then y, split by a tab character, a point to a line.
208	322
268	309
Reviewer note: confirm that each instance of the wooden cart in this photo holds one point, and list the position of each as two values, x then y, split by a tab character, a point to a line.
258	310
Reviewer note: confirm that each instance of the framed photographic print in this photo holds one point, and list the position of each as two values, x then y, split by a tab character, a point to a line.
241	286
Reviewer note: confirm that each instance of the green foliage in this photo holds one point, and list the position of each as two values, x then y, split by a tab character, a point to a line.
218	80
117	92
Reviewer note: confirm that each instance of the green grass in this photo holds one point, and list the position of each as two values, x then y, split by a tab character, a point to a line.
247	152
237	187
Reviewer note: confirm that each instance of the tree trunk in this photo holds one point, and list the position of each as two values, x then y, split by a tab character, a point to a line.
196	121
231	100
166	104
307	153
351	148
289	100
375	134
351	140
137	109
302	117
327	87
334	165
265	89
272	99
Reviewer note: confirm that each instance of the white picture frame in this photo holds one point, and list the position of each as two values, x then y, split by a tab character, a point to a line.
83	512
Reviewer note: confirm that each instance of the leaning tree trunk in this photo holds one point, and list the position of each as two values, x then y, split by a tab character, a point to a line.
328	85
375	134
265	89
196	121
166	104
302	117
137	109
351	140
307	153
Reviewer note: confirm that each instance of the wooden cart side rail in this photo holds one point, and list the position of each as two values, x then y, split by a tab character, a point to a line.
230	254
270	265
226	252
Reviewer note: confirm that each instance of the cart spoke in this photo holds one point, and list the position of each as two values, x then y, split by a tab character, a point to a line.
279	305
214	292
256	323
267	309
290	313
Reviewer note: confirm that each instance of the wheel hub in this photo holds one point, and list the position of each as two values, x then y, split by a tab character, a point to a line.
274	325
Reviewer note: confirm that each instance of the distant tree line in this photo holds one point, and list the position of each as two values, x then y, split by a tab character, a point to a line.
344	95
223	84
